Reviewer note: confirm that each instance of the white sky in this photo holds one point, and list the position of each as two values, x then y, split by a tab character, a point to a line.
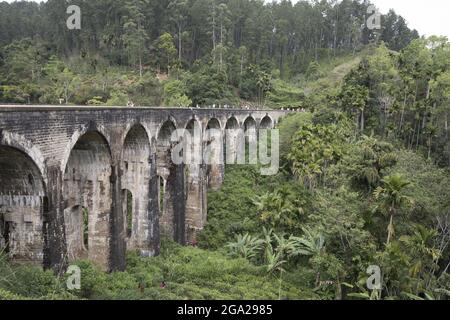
429	17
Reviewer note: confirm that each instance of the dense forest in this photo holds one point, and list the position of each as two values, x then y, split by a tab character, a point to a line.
365	171
180	52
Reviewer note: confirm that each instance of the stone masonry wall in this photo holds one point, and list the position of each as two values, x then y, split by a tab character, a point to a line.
57	163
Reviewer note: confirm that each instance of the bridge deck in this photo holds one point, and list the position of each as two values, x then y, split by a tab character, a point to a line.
13	107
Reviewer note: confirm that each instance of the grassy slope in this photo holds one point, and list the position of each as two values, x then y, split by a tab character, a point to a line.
334	75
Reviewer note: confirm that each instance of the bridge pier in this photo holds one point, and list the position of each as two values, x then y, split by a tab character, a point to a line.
213	155
195	181
55	247
116	261
171	188
153	213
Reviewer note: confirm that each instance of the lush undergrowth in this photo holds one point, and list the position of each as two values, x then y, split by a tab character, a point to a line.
179	273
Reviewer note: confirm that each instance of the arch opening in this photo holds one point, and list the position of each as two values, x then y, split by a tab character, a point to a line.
136	176
266	123
193	143
77	232
232	151
172	191
165	134
251	141
23	205
88	199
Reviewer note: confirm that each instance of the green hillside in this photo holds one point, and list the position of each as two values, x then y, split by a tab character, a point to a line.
364	179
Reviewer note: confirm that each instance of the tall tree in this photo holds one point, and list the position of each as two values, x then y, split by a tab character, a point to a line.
135	35
391	199
179	15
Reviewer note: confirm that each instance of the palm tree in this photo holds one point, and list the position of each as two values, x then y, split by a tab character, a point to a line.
391	199
426	255
273	208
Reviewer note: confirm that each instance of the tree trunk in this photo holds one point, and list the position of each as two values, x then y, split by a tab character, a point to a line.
179	43
66	94
140	65
446	133
214	33
411	142
317	279
362	121
221	45
418	135
429	147
338	289
402	118
280	286
446	125
390	229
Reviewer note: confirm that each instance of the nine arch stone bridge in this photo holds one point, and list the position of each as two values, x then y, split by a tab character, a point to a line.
90	183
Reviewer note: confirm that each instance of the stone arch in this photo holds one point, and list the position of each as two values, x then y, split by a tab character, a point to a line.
164	147
136	175
233	144
214	123
21	143
87	185
164	128
266	122
249	123
23	205
213	153
193	144
132	125
91	127
232	123
251	140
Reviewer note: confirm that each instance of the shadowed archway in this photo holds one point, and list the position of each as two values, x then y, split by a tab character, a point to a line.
23	205
233	152
251	140
87	196
136	178
266	123
172	215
